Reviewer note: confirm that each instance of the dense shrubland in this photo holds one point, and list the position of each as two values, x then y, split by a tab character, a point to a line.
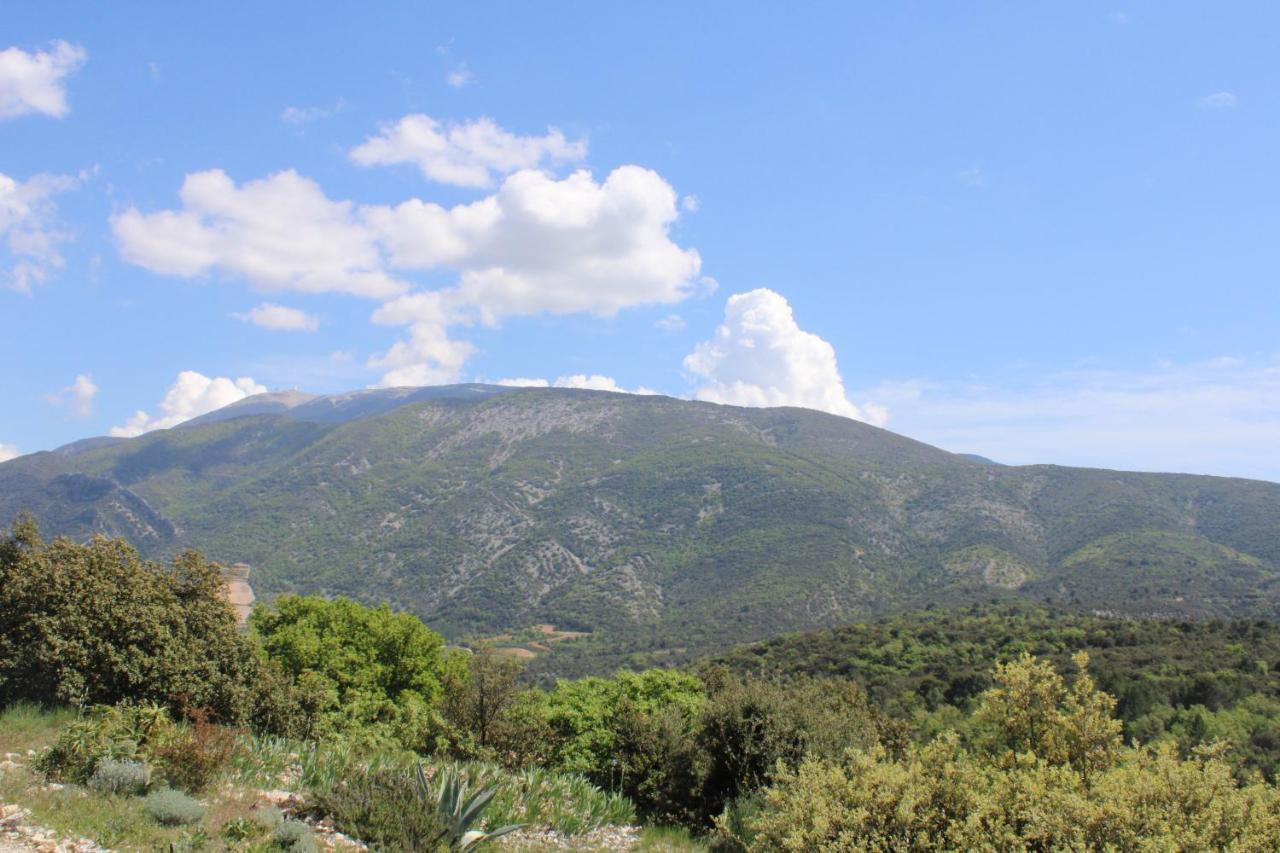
903	737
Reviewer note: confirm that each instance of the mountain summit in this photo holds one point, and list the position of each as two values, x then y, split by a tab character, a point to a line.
673	524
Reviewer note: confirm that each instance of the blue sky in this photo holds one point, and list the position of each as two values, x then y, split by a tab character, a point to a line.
1043	234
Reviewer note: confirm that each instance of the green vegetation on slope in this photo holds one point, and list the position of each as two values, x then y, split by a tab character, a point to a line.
790	751
667	528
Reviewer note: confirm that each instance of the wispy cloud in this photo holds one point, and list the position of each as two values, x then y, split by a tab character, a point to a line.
306	115
77	397
459	76
30	234
972	177
1213	417
1220	101
280	318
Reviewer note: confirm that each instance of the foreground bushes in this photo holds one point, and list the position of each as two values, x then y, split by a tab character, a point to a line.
119	749
1048	772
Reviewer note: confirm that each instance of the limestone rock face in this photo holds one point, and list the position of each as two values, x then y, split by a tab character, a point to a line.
239	593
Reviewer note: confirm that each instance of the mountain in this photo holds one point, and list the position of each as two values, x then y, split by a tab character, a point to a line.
666	527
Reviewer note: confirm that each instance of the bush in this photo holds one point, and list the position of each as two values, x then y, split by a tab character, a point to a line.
119	733
173	808
127	778
295	836
194	757
362	672
1048	773
383	808
369	790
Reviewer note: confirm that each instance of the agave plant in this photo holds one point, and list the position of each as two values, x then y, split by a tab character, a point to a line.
457	811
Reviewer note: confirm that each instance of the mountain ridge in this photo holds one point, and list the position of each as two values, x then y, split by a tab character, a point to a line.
665	526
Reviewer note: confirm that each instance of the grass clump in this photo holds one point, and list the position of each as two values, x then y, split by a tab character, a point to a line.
120	778
173	808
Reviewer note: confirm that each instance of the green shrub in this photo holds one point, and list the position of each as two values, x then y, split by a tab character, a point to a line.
381	806
241	829
115	777
294	836
375	790
360	672
120	733
173	808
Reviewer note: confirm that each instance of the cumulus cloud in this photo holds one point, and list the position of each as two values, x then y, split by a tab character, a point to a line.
759	356
280	232
280	318
467	154
77	397
537	245
29	228
1219	101
7	452
192	394
35	82
1213	417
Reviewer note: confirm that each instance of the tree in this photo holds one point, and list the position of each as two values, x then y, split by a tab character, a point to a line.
478	702
376	673
96	624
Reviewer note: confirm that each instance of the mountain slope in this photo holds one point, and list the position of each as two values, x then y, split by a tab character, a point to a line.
660	524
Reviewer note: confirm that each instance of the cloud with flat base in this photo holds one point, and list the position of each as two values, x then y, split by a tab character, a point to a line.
759	356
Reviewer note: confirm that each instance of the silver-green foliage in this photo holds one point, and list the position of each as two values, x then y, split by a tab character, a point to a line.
126	778
173	808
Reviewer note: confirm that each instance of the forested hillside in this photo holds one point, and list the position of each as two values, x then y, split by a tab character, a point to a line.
665	527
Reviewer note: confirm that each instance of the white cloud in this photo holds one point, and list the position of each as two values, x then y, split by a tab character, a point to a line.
691	203
280	232
1214	417
596	382
522	382
306	115
29	229
191	395
671	323
7	452
1219	101
469	154
537	245
973	177
280	318
593	382
459	77
76	397
34	82
759	356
